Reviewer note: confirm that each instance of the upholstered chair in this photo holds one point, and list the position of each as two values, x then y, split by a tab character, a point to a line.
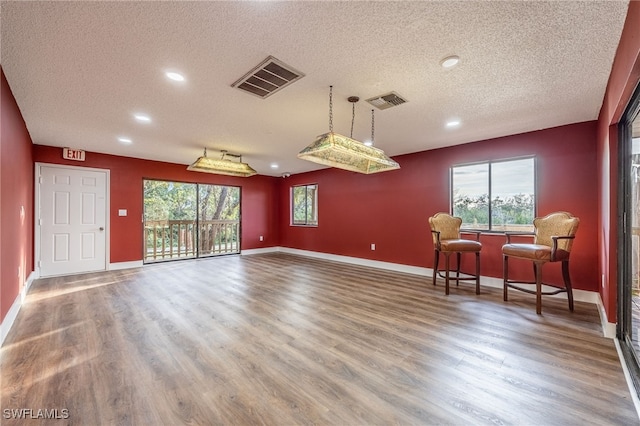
552	241
445	230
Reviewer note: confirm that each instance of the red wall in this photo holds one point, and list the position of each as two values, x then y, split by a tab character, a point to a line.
391	209
624	77
16	195
259	210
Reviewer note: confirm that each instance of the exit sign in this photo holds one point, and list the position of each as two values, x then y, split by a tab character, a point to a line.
73	154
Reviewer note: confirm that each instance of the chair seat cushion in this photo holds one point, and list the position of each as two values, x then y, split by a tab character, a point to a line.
460	245
527	251
532	252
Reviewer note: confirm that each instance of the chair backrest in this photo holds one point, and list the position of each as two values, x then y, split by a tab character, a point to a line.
447	225
555	224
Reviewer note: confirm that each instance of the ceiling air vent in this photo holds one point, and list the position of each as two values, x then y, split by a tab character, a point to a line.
387	101
267	78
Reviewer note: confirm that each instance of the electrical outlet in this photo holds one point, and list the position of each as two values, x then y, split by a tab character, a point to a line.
373	246
261	238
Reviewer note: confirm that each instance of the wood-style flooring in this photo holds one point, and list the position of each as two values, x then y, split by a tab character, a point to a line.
279	339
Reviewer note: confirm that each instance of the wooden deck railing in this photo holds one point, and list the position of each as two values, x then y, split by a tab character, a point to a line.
175	239
219	237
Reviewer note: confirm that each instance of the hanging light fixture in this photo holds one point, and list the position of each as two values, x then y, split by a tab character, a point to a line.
335	150
222	166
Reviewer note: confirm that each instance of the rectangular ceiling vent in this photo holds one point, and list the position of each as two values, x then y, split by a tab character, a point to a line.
387	101
267	78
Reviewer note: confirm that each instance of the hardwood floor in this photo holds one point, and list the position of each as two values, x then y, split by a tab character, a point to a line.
279	339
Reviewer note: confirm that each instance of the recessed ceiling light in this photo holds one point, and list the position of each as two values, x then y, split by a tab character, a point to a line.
453	123
143	118
122	139
274	166
450	61
171	75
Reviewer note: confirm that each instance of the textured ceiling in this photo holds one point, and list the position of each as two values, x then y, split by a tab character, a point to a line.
80	70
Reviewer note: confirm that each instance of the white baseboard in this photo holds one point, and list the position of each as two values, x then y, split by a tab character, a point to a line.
259	251
125	265
9	319
627	376
396	267
11	316
609	329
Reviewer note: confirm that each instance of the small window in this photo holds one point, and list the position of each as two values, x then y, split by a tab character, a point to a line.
495	196
304	205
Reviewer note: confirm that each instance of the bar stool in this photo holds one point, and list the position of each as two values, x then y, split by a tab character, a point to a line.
552	241
445	230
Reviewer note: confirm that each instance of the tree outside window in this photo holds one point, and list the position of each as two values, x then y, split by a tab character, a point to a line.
495	196
304	205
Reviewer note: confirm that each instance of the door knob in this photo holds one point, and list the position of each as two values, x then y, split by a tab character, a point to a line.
102	228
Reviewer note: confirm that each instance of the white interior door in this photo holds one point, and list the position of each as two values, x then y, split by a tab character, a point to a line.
72	220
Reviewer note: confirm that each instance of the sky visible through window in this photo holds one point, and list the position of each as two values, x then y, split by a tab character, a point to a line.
509	178
497	196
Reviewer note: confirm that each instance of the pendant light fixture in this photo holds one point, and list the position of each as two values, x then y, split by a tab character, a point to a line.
335	150
223	166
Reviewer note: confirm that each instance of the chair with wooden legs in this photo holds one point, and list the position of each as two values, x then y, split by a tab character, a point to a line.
552	241
445	230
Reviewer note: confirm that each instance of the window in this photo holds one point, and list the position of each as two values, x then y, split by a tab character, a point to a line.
304	205
495	196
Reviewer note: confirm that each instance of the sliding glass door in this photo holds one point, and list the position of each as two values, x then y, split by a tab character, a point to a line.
629	241
218	220
187	220
169	220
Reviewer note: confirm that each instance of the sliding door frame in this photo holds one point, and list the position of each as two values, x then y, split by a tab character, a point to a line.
624	328
196	222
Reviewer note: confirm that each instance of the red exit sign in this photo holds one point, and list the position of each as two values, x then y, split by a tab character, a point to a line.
73	154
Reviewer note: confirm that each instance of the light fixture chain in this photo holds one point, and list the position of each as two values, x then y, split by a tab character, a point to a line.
353	117
372	127
331	109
